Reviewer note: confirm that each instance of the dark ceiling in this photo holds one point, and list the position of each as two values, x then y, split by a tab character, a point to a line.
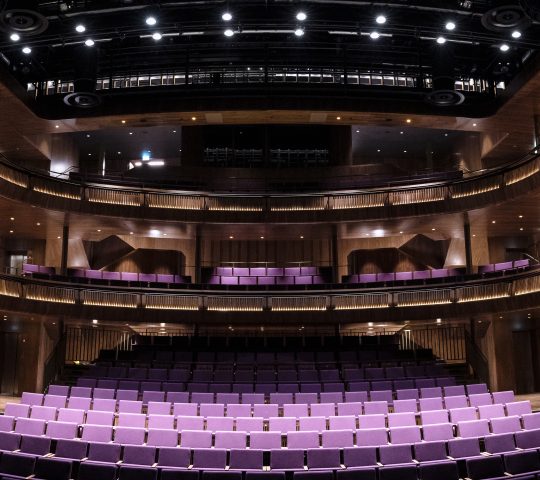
336	48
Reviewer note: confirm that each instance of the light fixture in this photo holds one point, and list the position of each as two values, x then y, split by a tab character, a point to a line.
408	120
338	118
226	17
229	32
11	231
370	324
404	151
520	216
89	42
155	232
230	237
157	36
58	238
450	26
474	124
193	119
80	28
521	229
262	238
95	321
504	47
27	50
131	233
516	34
38	224
14	37
439	320
57	126
299	32
493	221
432	229
162	324
301	16
99	229
381	19
301	237
401	231
374	35
151	20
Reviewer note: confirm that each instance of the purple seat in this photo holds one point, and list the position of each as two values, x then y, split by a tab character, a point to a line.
381	395
438	431
265	411
6	423
257	272
372	437
214	424
476	388
58	390
72	449
246	460
253	398
30	426
358	457
158	408
165	422
211	410
266	280
395	454
185	409
323	458
303	280
284	280
229	280
401	419
190	423
421	274
315	424
462	414
247	281
430	451
433	403
17	410
289	459
400	435
32	399
195	439
499	443
129	435
439	273
98	417
94	274
103	394
519	408
491	467
503	397
127	395
104	452
238	410
149	278
249	424
378	407
477	399
361	396
528	439
111	275
323	409
349	408
302	440
531	421
473	428
80	392
372	421
130	406
97	433
295	410
265	440
281	398
458	401
432	417
491	411
505	425
67	430
35	445
454	390
521	462
230	439
338	438
178	458
367	277
437	470
409	405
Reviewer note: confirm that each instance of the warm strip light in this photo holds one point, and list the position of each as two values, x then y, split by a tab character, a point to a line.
236	209
235	309
297	309
475	191
480	298
48	191
296	209
105	303
48	298
421	303
13	177
523	176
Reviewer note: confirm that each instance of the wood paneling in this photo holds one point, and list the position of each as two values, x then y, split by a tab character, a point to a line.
382	260
145	260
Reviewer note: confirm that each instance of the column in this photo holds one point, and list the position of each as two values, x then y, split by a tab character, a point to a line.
500	354
198	254
335	254
467	237
340	145
65	247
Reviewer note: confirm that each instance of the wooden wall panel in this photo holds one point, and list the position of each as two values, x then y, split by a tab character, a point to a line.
382	260
145	260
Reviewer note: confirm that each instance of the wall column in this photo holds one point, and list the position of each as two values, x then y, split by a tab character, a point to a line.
198	249
467	237
65	247
500	354
335	254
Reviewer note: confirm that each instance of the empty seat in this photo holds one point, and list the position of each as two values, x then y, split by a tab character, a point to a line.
485	467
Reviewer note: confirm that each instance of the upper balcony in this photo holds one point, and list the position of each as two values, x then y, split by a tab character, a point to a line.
116	198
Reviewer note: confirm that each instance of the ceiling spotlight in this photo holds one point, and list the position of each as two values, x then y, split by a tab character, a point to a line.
14	37
381	19
229	32
374	35
450	26
516	34
299	32
151	21
226	17
27	50
301	16
504	47
80	28
408	120
157	36
441	40
89	42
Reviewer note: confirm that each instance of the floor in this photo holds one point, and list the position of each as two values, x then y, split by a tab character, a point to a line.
533	397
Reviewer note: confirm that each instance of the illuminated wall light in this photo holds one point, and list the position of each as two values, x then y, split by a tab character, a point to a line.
450	26
504	47
193	119
80	28
157	36
381	19
226	17
94	321
156	163
441	40
301	16
14	37
408	120
516	34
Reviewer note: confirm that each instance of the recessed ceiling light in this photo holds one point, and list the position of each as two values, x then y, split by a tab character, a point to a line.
262	238
338	118
474	235
441	40
89	43
381	19
439	320
94	321
231	237
11	231
226	16
99	230
521	228
433	229
151	20
378	150
401	133
493	221
27	50
516	34
504	47
38	224
14	37
131	133
474	124
302	237
12	219
299	32
401	231
450	26
404	151
162	324
131	233
229	32
521	216
58	238
301	16
193	118
57	126
157	36
80	28
374	35
408	120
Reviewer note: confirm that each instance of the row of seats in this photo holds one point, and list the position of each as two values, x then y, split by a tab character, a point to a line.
268	373
82	461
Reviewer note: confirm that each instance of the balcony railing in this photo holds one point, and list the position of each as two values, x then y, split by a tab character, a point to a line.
443	196
327	298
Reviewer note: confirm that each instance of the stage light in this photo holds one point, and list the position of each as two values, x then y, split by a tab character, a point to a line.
516	34
301	16
226	17
229	32
381	19
151	21
374	35
299	32
157	36
80	28
14	37
441	40
504	47
450	26
89	43
27	50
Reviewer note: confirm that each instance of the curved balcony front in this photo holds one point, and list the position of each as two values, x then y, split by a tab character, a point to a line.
337	304
477	191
